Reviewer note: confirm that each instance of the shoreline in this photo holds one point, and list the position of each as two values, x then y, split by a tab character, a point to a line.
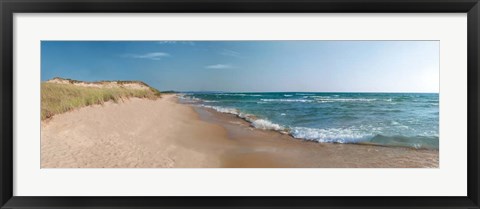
310	154
166	133
246	122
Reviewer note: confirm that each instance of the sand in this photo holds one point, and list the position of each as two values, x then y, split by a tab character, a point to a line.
134	133
162	133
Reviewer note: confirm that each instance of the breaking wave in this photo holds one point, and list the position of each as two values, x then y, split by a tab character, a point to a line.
286	100
253	120
334	135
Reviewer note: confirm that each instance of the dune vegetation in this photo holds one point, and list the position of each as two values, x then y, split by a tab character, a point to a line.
59	98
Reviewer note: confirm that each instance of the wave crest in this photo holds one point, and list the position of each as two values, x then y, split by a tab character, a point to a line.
332	135
254	121
267	125
286	100
223	109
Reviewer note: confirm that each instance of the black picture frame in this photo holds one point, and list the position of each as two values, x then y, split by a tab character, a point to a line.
9	7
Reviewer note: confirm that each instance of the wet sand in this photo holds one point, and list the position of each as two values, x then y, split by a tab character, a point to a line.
142	133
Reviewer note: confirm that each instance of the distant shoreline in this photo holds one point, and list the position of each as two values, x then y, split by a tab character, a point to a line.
142	133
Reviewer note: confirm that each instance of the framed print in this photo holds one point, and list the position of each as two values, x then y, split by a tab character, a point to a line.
258	104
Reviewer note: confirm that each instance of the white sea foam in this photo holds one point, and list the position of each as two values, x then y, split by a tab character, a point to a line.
225	94
287	95
267	125
189	99
344	100
242	95
247	117
321	97
286	100
233	111
257	123
335	135
223	109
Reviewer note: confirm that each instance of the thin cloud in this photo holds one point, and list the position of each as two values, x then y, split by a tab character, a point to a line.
166	42
219	66
191	43
230	53
151	55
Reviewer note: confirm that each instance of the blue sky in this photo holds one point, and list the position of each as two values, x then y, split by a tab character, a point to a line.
250	66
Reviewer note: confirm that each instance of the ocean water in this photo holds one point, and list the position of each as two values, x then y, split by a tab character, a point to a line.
387	119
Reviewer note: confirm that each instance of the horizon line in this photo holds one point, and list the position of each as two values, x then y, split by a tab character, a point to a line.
393	92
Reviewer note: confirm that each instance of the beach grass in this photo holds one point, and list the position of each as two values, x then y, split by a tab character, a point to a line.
60	98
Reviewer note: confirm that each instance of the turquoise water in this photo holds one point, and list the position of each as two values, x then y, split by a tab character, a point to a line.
389	119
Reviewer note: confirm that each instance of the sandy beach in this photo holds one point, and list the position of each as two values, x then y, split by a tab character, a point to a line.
144	133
